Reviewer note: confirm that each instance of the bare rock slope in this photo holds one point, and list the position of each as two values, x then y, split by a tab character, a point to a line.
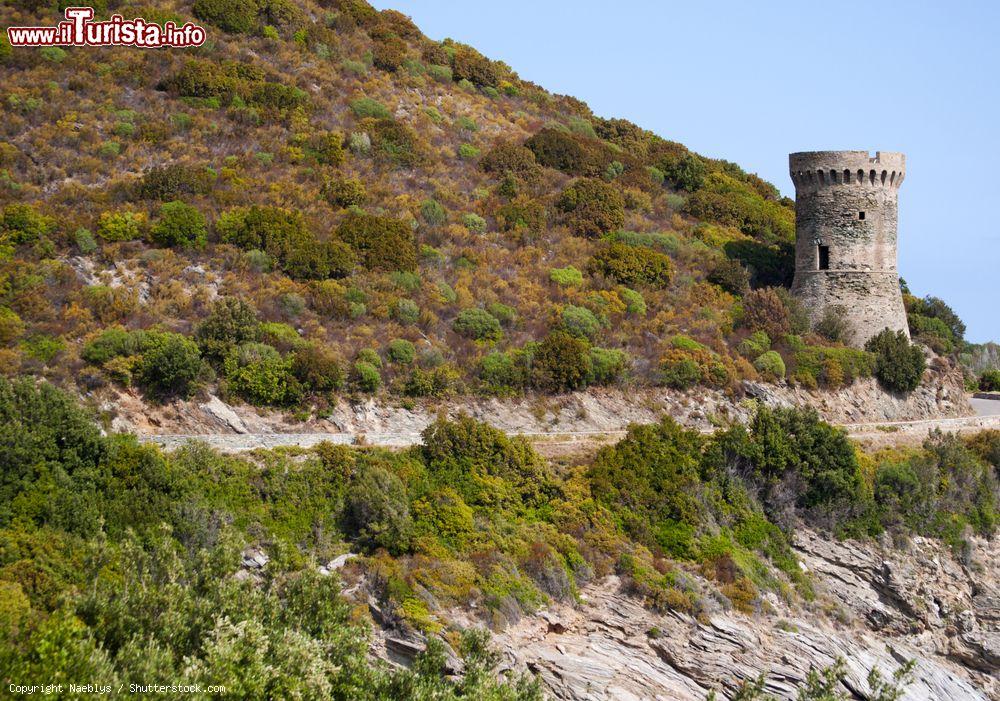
876	606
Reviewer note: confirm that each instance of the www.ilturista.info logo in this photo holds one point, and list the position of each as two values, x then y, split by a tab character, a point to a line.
79	29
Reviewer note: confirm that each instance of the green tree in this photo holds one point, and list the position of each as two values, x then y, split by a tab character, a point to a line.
232	322
477	324
378	510
592	207
180	225
899	364
170	365
562	363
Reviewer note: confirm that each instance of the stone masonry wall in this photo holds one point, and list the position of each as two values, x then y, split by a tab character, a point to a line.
846	204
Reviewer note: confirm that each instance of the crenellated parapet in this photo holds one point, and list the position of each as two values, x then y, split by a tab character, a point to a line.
811	170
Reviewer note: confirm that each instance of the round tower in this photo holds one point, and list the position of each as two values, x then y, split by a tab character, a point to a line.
845	238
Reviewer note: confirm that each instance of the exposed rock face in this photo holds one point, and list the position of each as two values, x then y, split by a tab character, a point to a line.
940	395
876	606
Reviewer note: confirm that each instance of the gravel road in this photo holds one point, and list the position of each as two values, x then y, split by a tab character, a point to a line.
883	433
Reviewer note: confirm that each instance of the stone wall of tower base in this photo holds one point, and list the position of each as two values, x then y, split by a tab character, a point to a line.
871	300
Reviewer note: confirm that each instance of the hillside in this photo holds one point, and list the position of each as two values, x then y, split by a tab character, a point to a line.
321	202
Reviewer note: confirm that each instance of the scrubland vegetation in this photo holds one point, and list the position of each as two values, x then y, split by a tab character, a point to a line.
120	562
274	215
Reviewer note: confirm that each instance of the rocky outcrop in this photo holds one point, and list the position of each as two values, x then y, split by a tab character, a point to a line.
877	606
941	395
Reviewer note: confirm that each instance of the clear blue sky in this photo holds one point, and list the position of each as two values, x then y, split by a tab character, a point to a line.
751	82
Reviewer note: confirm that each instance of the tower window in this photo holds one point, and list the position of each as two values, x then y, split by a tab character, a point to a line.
861	216
824	257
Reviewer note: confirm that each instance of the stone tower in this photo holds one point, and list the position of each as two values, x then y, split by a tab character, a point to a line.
845	238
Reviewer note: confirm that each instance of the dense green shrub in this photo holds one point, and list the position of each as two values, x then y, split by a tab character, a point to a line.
562	363
487	468
467	152
210	81
440	382
754	345
180	225
388	53
235	16
831	367
22	223
232	322
170	365
687	363
931	331
632	265
504	374
474	223
433	212
635	303
939	491
525	218
378	510
344	192
43	430
899	365
732	203
934	322
768	265
652	477
366	376
607	366
240	85
401	351
687	173
570	153
122	225
284	235
469	64
257	373
510	159
380	242
679	370
111	343
664	241
11	326
566	277
592	207
174	182
731	276
477	324
405	311
504	313
367	107
262	228
579	322
84	241
164	364
770	364
395	143
317	368
327	147
794	458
